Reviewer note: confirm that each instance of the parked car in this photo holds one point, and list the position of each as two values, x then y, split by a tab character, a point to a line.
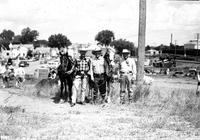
23	64
53	64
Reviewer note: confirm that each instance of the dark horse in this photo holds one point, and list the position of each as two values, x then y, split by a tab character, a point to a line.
109	75
66	76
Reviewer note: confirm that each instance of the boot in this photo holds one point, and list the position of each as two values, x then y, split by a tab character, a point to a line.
122	98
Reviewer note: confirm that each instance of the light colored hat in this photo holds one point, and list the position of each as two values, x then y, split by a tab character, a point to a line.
83	50
125	51
96	50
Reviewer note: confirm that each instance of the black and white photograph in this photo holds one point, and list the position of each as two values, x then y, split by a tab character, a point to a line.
99	69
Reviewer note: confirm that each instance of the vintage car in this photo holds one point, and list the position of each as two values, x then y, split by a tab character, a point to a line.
23	64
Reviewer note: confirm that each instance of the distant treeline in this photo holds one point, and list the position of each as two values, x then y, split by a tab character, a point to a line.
191	52
179	52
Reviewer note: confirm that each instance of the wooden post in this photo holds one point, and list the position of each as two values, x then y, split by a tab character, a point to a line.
197	46
141	41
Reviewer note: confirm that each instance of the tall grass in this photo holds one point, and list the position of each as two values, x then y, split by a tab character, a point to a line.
178	102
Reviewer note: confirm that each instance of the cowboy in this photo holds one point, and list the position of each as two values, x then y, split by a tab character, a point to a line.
127	71
2	71
19	74
8	75
100	69
82	67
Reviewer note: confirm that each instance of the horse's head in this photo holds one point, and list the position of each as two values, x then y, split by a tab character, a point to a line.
110	53
64	62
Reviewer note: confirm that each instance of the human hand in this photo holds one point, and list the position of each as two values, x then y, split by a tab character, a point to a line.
69	72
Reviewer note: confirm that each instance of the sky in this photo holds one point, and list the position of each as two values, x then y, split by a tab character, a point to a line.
81	20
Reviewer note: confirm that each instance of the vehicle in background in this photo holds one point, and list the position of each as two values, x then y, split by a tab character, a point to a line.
23	64
44	66
53	64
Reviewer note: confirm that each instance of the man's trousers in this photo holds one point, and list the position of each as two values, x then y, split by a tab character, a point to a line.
79	88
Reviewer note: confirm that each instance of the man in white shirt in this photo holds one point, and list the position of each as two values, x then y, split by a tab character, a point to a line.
127	73
99	73
19	74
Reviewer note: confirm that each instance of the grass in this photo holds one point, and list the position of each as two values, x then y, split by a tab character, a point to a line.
159	111
16	123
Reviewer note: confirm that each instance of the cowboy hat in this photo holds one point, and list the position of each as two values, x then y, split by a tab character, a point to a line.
82	50
125	51
96	50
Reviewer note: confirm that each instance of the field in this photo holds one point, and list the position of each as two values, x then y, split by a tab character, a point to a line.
168	109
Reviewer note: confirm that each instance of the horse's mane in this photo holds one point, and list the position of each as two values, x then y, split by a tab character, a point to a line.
66	63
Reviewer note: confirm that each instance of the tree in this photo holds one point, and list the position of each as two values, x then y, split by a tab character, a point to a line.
6	37
105	37
28	35
29	54
58	41
39	43
17	39
147	48
121	44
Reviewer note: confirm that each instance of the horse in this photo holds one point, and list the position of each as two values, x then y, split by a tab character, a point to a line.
109	59
64	72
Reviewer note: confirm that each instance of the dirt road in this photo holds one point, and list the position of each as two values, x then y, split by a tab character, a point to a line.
29	117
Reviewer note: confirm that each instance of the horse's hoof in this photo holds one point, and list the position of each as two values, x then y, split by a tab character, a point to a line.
83	103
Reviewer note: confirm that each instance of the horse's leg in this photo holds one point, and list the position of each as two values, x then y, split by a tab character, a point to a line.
61	89
70	84
108	91
66	92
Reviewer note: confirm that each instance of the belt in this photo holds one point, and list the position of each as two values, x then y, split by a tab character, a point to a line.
97	75
129	72
81	73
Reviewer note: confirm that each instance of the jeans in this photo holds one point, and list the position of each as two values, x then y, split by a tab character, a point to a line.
79	88
100	85
125	83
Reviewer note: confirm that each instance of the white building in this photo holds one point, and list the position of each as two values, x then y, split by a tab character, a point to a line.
20	49
192	44
54	52
151	52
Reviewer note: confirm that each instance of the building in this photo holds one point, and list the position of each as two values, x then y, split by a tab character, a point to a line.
43	51
54	52
151	52
20	49
192	44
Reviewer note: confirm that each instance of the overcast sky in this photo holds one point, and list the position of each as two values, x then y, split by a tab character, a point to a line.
81	20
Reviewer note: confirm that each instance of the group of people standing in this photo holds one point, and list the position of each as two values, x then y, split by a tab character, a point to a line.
9	73
96	72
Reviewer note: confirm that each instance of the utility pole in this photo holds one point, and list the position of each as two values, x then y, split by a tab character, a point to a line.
175	46
197	45
141	42
171	39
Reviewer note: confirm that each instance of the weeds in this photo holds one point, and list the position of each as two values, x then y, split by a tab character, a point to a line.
140	92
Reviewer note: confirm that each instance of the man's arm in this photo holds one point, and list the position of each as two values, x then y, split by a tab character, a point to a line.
134	69
91	71
106	67
73	65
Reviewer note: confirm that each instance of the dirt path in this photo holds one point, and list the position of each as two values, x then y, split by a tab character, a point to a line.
38	118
